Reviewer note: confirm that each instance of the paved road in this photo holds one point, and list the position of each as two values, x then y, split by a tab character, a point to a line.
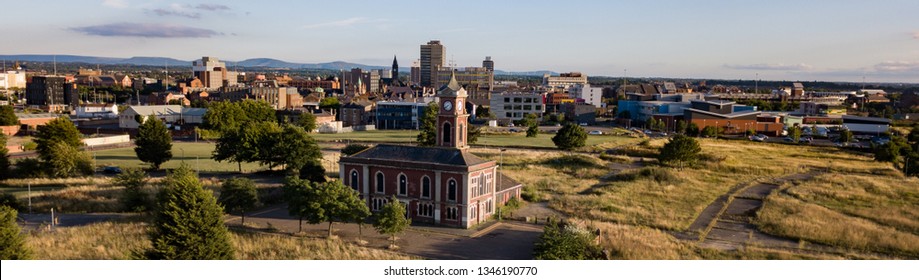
499	241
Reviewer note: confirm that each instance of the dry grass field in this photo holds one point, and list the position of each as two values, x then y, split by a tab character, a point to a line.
638	202
121	240
863	213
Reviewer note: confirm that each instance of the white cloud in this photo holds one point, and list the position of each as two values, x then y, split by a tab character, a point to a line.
771	67
338	23
115	3
897	66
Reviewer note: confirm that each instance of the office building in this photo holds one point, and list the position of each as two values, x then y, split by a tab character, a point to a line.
432	58
488	64
516	105
213	73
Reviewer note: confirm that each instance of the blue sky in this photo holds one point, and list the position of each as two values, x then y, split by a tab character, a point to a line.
778	40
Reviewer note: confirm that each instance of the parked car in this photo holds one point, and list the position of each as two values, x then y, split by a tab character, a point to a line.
583	124
595	132
514	130
789	139
111	170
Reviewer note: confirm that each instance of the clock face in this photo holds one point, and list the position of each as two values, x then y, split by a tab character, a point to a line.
459	107
448	106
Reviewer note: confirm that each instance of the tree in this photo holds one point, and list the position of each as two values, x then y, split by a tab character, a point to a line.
329	103
681	126
188	222
352	149
571	136
566	242
624	115
12	243
307	121
529	120
8	116
692	129
532	131
391	219
680	149
296	193
134	198
711	131
9	200
154	143
227	116
472	134
313	171
295	149
238	195
68	161
427	136
913	134
4	158
795	133
358	211
228	148
60	130
845	136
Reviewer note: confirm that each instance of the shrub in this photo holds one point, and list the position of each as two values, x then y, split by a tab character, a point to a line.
30	168
566	242
352	149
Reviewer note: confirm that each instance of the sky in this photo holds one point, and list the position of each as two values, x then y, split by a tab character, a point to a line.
875	41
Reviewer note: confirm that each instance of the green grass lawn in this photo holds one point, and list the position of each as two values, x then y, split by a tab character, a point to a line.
197	155
543	140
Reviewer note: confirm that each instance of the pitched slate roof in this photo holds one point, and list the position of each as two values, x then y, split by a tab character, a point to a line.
505	183
432	155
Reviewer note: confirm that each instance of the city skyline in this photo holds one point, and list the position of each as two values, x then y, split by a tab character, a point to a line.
818	40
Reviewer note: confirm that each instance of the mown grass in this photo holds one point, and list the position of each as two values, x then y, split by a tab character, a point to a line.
868	213
117	241
197	155
519	139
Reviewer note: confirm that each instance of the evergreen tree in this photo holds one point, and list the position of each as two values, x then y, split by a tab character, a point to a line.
154	143
913	135
571	136
60	130
188	222
134	198
238	195
8	116
681	149
427	136
4	158
12	243
391	219
532	131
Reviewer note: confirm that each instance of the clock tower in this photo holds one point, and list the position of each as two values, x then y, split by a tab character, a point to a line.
452	119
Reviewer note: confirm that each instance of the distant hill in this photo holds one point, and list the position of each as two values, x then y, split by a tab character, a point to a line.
252	62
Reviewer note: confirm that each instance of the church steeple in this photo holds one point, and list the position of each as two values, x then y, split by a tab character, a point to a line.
395	69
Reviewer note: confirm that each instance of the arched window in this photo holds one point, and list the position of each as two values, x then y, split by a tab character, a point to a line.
451	190
354	181
403	184
425	187
446	133
380	182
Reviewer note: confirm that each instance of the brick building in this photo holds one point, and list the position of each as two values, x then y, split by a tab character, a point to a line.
444	185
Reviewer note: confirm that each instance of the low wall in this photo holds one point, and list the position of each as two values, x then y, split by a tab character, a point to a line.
107	140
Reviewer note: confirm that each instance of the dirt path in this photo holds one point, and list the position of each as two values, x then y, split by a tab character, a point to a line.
727	223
